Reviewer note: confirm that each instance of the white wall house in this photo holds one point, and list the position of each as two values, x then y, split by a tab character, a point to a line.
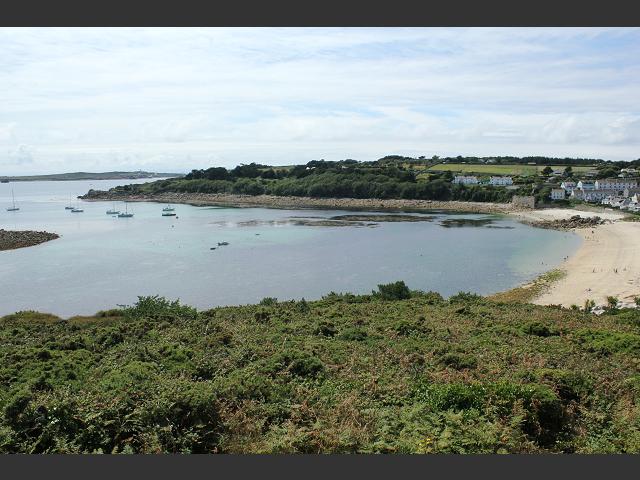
557	194
568	186
616	183
500	181
585	185
465	180
592	195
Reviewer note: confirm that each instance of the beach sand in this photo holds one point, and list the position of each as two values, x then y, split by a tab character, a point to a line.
606	264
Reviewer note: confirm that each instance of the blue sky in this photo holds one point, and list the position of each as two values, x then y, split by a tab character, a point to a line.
98	99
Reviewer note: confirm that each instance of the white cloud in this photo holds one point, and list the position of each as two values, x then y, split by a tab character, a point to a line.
173	99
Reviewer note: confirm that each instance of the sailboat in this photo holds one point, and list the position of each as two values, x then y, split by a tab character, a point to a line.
77	209
13	208
168	208
113	211
126	213
69	207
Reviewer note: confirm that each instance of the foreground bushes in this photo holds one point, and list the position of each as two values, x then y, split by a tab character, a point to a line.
396	371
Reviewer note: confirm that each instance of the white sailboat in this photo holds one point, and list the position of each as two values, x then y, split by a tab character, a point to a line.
113	211
77	209
13	208
69	207
126	213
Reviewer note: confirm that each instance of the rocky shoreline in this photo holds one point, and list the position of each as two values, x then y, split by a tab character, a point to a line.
10	240
568	224
272	201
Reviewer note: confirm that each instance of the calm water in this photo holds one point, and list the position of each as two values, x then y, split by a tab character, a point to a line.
100	261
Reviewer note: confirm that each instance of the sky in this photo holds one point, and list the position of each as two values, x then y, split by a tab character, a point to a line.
173	99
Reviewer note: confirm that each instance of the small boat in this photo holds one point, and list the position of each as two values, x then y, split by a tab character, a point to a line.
168	214
76	210
69	207
113	211
126	213
13	208
221	244
168	208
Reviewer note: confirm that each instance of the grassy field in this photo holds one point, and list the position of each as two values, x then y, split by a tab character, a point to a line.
502	169
379	373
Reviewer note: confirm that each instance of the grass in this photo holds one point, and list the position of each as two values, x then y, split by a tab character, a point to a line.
345	374
518	169
530	291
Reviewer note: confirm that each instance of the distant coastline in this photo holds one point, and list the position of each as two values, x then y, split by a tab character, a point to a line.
88	176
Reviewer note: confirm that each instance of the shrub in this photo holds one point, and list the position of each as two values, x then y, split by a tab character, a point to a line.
325	328
296	362
393	291
354	334
607	343
459	361
269	301
157	307
539	330
466	297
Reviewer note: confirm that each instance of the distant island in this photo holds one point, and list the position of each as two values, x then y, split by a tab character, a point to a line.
89	176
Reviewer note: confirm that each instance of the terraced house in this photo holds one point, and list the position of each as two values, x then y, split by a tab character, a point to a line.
466	179
501	181
619	184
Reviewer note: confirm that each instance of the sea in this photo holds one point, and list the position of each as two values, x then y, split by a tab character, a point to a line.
101	261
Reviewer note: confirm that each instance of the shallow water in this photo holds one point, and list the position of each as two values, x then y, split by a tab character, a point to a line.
101	262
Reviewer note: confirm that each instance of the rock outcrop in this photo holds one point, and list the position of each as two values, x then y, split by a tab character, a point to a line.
10	240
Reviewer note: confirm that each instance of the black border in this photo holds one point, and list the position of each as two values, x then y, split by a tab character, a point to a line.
320	13
315	13
322	466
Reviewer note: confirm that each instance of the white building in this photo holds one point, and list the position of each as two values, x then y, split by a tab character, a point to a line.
585	185
616	183
592	195
501	181
557	194
568	186
466	180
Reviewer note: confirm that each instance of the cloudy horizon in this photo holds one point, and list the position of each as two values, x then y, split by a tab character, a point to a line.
172	99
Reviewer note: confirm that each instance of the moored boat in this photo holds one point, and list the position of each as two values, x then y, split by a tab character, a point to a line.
126	213
13	208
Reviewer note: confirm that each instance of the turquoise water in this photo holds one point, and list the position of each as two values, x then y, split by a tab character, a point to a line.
101	262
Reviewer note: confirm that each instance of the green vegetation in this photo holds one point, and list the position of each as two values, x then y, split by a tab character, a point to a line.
320	179
495	169
397	371
528	292
391	177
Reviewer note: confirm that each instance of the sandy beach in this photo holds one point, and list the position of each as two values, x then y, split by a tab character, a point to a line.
606	264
